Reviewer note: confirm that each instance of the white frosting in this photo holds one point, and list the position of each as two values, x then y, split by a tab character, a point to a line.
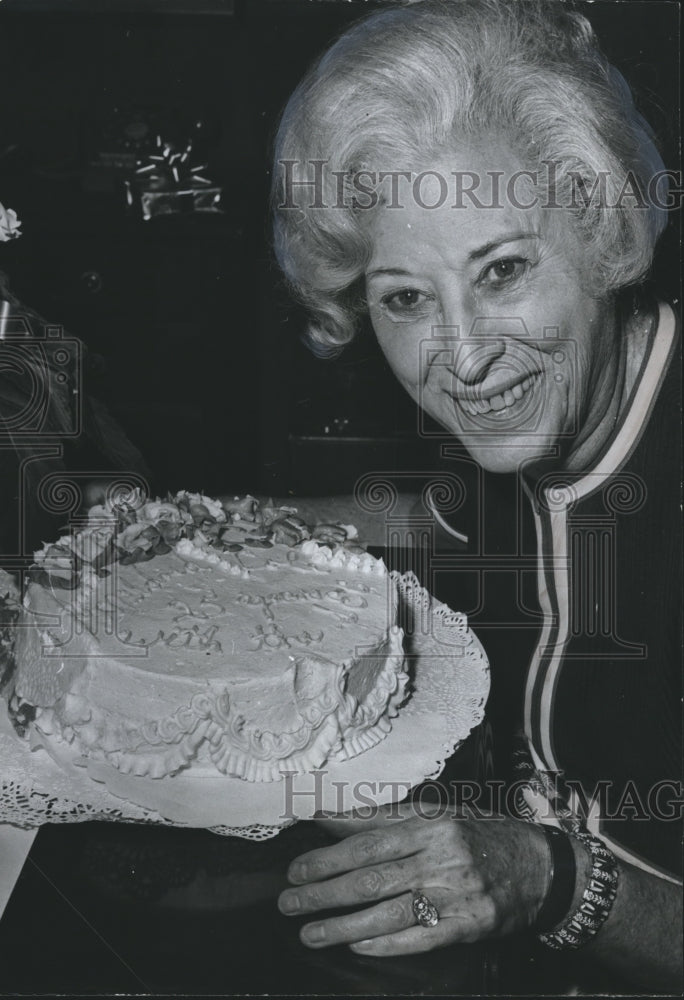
204	555
244	662
340	558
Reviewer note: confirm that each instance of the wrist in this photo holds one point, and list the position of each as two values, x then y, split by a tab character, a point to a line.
583	866
562	881
598	893
539	873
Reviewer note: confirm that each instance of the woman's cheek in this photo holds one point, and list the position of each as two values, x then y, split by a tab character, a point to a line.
402	356
411	367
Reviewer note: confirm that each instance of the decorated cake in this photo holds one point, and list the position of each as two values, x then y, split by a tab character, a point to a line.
208	638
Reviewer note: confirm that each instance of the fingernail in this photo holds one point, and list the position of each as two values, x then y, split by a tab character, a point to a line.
314	932
297	872
290	903
360	945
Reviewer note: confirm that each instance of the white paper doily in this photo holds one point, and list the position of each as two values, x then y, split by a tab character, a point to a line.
448	690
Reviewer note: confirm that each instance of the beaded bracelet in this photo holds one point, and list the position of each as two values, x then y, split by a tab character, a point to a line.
598	897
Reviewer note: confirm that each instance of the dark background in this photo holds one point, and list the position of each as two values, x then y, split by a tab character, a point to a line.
195	347
196	344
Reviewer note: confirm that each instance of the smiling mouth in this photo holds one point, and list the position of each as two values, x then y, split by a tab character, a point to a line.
498	402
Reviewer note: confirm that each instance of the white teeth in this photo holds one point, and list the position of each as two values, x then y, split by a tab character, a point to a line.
476	407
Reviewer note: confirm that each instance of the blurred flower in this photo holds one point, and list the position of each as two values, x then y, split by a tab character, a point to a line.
9	224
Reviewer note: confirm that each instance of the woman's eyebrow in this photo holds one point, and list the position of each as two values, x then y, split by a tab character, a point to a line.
394	271
495	244
400	272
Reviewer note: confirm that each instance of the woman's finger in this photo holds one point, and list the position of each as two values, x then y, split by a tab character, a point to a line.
385	918
361	886
358	851
355	821
393	924
461	921
413	940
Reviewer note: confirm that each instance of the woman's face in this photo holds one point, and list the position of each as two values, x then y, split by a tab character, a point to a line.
486	317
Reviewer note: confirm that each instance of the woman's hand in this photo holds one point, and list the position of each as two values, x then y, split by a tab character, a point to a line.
487	877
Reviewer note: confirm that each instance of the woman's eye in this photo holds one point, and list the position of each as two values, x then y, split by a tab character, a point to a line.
504	272
405	303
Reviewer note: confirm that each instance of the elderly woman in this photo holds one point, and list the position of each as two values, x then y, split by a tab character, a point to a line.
473	175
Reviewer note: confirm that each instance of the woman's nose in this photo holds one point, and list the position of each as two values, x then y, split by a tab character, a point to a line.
475	341
472	357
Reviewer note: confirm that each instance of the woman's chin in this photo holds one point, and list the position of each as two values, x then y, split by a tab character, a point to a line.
508	439
510	455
